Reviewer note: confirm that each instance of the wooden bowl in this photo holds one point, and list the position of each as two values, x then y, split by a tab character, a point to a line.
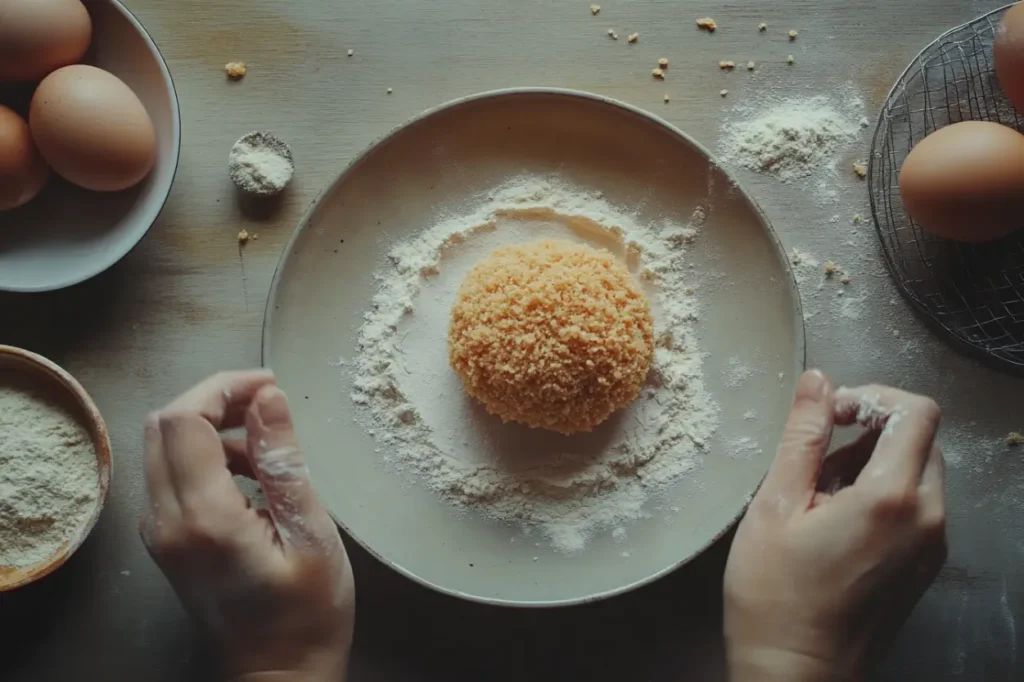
48	373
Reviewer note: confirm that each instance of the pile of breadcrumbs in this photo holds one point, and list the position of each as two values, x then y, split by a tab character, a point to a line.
551	334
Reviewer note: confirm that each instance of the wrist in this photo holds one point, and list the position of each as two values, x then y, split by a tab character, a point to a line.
766	664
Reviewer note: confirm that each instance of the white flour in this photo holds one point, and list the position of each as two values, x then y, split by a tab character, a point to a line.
792	138
567	487
49	476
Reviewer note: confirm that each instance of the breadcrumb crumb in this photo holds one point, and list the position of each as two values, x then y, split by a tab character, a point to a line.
845	279
762	27
790	59
793	35
595	9
750	66
667	99
1014	438
243	236
708	24
612	34
857	218
663	62
860	169
723	93
390	90
351	52
633	37
658	73
235	70
551	334
830	268
727	65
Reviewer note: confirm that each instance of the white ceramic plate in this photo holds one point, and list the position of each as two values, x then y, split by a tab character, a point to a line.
67	234
440	160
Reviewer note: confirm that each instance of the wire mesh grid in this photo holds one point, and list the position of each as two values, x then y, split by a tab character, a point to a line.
974	293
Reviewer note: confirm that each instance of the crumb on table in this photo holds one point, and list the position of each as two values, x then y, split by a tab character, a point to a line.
351	52
390	90
708	24
595	9
830	268
857	218
790	59
243	236
633	37
793	35
723	93
663	62
235	70
845	279
860	168
1014	439
666	98
658	73
727	65
750	66
612	34
762	27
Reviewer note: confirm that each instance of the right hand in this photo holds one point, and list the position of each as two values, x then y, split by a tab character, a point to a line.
272	586
819	580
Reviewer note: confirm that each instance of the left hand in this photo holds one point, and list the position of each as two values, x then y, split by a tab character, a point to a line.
273	586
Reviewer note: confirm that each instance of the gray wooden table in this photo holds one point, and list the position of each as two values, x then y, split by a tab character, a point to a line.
187	302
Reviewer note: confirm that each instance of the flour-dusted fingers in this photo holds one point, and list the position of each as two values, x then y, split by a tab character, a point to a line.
280	468
223	398
196	461
794	473
907	424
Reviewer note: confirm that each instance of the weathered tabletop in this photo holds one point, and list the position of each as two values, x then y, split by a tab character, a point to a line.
188	302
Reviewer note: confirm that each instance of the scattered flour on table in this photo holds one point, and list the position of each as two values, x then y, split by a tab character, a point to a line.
49	476
792	138
566	487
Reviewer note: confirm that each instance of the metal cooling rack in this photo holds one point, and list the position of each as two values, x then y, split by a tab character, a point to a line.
973	293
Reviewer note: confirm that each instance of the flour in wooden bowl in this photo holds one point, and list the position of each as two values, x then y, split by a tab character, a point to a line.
566	487
49	474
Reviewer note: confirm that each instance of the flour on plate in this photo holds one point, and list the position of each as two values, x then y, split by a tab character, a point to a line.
566	487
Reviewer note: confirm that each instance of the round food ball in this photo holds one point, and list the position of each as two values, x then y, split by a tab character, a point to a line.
1008	55
92	129
551	334
39	36
23	172
966	181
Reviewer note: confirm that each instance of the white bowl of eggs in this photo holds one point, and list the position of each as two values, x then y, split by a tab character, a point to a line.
89	138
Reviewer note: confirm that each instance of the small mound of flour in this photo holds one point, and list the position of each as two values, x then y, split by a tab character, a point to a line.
566	487
791	138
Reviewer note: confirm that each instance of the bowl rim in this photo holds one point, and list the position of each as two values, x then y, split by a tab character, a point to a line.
176	152
35	363
800	352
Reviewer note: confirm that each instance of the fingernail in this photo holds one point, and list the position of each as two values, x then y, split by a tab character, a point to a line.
273	408
814	385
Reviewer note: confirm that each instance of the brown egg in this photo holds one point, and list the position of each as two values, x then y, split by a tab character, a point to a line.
22	169
39	36
92	129
1008	54
966	181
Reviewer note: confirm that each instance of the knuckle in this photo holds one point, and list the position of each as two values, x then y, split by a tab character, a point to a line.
896	505
933	523
928	410
152	423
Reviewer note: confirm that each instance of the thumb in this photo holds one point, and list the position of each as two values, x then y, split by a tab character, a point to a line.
791	481
280	468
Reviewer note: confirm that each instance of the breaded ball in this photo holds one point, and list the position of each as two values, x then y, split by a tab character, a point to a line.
551	334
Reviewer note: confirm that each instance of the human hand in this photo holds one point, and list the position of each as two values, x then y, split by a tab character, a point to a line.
820	579
273	586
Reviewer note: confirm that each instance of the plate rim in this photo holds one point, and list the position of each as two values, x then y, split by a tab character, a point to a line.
305	222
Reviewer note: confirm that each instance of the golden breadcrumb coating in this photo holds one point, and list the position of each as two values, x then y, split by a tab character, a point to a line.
552	334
